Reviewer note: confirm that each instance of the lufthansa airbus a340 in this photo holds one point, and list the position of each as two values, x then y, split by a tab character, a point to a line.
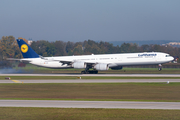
97	62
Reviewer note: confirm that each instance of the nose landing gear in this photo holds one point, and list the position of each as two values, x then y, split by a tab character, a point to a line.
159	67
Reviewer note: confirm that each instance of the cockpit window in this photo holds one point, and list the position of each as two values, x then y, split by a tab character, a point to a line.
168	56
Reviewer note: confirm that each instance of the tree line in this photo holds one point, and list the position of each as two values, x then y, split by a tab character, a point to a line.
10	49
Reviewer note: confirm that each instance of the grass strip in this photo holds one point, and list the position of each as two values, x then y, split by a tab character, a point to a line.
76	99
93	91
86	114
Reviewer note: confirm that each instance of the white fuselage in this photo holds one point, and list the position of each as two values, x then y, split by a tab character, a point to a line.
113	60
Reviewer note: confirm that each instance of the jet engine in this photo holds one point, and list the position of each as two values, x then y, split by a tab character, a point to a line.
79	65
117	68
101	66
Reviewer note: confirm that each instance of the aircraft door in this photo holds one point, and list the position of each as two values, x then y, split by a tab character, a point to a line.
159	57
120	58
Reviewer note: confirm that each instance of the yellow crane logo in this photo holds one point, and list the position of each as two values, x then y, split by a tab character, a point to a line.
24	48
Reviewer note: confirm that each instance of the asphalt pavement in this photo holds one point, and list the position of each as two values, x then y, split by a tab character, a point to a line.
94	81
114	75
90	104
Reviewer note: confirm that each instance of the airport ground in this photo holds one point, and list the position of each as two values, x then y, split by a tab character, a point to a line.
10	113
158	92
86	114
141	91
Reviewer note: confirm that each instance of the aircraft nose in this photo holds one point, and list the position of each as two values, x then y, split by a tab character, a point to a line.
171	58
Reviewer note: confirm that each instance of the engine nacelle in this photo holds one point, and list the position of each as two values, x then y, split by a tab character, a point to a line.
79	65
117	68
101	66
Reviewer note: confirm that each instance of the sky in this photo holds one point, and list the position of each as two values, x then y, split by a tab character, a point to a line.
98	20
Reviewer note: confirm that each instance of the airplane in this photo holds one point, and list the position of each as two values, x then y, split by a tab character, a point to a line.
99	62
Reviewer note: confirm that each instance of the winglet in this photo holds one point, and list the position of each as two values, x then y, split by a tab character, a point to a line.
26	50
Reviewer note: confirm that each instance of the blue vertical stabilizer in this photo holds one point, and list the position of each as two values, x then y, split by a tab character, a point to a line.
26	50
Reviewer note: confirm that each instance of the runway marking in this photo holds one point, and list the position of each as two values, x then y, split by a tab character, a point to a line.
16	81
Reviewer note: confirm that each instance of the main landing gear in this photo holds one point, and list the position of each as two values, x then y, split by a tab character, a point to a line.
159	67
87	71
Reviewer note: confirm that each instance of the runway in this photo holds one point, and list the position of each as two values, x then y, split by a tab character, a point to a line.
90	104
94	81
115	75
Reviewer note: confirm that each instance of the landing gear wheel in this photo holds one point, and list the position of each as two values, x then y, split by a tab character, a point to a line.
89	72
160	67
84	72
96	72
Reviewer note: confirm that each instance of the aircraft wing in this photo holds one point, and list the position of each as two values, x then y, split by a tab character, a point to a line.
12	59
21	60
69	62
66	62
